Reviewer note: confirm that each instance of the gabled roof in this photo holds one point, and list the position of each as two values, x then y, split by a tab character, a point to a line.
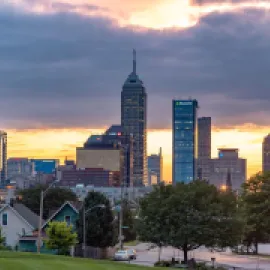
24	213
73	205
27	214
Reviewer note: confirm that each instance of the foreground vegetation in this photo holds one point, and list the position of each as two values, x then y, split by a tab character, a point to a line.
29	261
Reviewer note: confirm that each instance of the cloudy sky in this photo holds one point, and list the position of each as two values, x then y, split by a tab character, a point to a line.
63	63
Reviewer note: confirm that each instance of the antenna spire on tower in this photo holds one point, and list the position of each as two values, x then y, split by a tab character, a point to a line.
134	61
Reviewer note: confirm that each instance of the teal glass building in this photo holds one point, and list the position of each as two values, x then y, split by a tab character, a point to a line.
185	141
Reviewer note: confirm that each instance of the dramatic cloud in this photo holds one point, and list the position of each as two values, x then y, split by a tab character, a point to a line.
63	69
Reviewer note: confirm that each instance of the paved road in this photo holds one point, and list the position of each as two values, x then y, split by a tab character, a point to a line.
148	258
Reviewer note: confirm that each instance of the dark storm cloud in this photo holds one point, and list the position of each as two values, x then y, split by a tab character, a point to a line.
67	70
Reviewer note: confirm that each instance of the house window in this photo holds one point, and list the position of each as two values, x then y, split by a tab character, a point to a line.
68	220
4	219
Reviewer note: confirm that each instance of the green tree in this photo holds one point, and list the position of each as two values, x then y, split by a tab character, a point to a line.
52	201
100	226
256	209
199	214
129	230
60	237
2	238
152	223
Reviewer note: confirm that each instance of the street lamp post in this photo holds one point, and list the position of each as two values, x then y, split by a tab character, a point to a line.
84	224
42	195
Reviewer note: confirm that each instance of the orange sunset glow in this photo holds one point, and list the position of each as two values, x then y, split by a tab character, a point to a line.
62	143
150	14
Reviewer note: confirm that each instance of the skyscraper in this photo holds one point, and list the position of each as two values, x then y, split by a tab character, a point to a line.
185	141
133	119
155	167
204	148
3	156
266	154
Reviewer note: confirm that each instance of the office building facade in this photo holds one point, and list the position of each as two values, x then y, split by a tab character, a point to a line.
133	120
228	171
102	154
266	154
3	156
204	148
19	166
185	140
45	166
155	168
117	134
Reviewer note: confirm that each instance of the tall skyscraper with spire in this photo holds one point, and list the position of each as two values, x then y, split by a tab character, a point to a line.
133	119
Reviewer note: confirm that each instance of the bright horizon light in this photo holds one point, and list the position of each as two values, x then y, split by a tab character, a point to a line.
160	15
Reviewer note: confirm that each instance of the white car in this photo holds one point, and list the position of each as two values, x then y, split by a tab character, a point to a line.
125	255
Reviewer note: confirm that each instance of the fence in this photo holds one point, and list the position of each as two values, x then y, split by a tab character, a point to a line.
94	252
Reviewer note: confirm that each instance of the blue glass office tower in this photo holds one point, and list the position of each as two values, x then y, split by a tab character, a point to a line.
185	142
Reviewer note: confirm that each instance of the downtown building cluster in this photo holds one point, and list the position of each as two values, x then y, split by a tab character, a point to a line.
192	150
111	161
119	158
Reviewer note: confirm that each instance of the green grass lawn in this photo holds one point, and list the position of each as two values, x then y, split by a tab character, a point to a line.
29	261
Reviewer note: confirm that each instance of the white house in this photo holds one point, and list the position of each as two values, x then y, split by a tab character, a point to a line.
17	221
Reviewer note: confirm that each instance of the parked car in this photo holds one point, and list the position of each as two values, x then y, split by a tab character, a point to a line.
125	255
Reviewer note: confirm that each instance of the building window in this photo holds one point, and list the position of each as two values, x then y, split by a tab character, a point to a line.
4	219
68	219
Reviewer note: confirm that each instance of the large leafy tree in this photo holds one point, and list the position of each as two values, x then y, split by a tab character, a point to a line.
200	214
256	209
100	225
60	237
153	223
55	197
188	216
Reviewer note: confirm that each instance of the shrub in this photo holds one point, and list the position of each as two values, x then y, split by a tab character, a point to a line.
163	264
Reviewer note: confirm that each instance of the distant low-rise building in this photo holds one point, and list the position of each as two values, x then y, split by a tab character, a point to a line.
113	193
90	176
45	166
19	166
228	170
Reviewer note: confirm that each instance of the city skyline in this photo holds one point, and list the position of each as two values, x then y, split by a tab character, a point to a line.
52	92
63	142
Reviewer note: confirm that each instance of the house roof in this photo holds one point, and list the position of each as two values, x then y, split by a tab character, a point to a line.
24	213
74	205
27	214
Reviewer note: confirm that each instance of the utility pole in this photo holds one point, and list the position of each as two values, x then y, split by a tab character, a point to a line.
121	219
84	231
42	195
40	221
